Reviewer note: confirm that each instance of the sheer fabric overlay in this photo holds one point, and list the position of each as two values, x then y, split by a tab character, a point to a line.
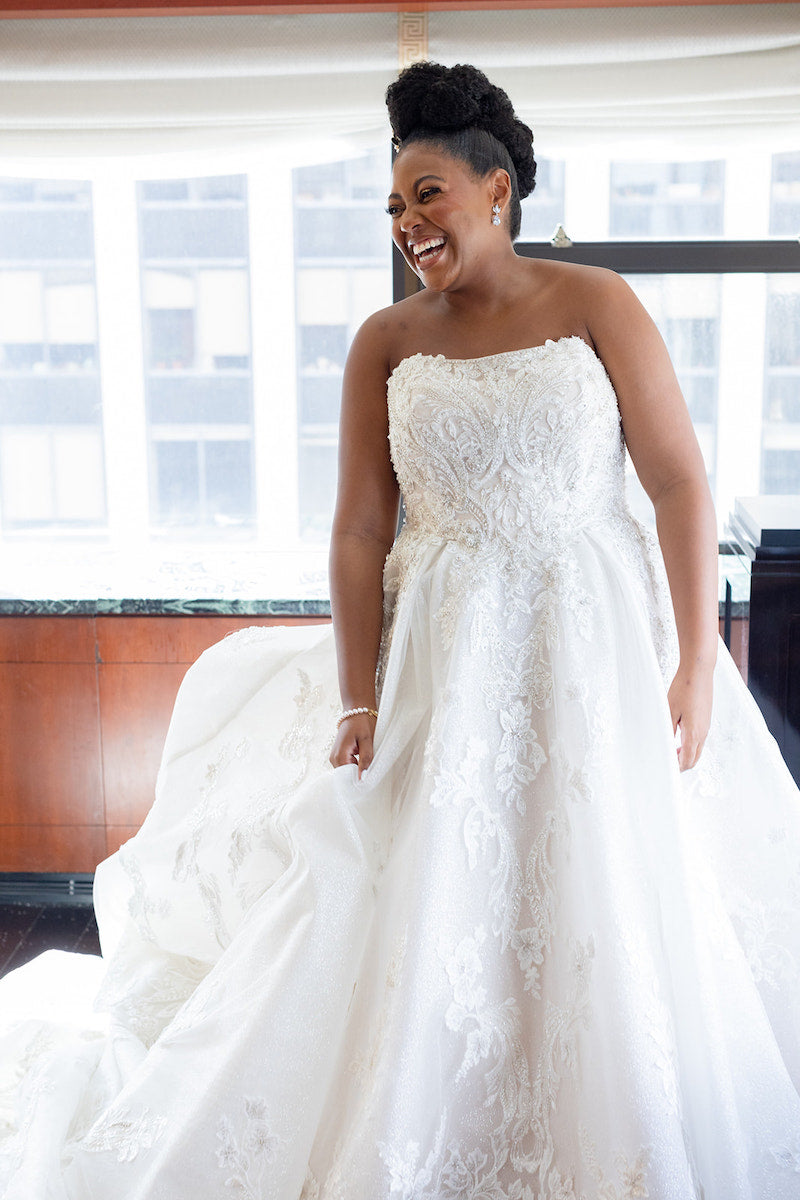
524	957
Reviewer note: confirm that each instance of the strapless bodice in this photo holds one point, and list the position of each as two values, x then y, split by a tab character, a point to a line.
516	451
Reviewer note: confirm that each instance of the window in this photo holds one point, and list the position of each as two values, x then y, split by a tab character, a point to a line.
343	273
780	443
728	309
784	218
172	349
51	429
196	308
667	200
544	209
171	358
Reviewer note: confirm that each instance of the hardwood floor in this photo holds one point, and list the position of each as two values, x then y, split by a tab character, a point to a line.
29	929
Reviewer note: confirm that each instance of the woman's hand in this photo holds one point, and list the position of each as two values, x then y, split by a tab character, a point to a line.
354	742
689	698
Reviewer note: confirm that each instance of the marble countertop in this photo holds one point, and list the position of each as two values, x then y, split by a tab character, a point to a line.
730	568
147	607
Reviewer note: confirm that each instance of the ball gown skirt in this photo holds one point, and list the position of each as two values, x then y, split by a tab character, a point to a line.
524	957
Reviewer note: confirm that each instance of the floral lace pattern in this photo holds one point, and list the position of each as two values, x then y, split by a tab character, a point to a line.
523	957
247	1149
125	1133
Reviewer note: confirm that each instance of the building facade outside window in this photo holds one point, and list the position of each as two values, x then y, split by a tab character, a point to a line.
194	254
733	337
51	426
171	355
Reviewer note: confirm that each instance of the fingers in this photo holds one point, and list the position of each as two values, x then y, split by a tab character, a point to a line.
353	745
692	742
690	704
365	754
344	751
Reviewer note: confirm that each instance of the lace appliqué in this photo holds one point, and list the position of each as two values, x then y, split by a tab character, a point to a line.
299	747
247	1151
762	928
187	863
522	1141
631	1181
124	1134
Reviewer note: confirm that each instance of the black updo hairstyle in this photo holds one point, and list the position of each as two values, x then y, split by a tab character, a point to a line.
461	112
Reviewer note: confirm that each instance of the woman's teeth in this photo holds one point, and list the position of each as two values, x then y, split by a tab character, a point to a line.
428	248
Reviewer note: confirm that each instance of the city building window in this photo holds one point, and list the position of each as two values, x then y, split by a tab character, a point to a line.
193	235
172	352
51	427
728	318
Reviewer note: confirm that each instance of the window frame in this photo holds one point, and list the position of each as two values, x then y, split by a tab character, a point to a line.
719	256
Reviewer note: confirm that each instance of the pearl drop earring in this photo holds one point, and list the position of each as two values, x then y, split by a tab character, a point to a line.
496	210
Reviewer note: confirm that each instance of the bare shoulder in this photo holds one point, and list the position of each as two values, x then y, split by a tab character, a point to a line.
613	313
583	290
383	339
370	346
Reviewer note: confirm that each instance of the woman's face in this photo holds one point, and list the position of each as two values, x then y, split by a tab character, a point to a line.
441	215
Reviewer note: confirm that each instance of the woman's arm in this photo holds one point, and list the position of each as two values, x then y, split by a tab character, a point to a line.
363	531
668	460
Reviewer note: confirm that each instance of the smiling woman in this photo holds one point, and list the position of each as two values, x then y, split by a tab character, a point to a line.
488	932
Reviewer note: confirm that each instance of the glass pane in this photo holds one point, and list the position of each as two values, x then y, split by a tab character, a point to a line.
51	477
177	482
780	460
219	465
203	484
688	311
52	472
362	178
323	347
228	482
317	486
543	210
735	343
198	374
342	274
784	216
667	200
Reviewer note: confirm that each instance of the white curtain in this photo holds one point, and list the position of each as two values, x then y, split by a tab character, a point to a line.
149	89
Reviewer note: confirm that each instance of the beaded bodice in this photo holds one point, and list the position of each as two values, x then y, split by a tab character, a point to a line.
515	452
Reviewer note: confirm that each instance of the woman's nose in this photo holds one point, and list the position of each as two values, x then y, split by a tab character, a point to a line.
409	220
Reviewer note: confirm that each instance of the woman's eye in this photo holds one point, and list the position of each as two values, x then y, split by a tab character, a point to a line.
393	210
426	193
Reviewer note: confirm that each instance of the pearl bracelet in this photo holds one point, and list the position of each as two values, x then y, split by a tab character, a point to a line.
352	712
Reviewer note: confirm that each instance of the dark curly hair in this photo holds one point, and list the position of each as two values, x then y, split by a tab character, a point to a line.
459	110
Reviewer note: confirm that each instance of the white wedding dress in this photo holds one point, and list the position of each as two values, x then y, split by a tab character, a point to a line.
524	958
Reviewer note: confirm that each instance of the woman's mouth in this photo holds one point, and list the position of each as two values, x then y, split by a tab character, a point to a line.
427	252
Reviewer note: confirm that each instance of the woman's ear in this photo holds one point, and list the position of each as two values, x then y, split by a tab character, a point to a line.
500	186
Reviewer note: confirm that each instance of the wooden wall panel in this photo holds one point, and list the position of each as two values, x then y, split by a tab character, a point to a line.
136	701
84	708
85	704
117	835
50	771
51	847
173	639
47	639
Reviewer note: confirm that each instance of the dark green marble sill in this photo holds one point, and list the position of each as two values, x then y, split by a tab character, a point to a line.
205	608
165	608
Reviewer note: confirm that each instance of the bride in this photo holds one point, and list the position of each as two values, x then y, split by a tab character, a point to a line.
514	945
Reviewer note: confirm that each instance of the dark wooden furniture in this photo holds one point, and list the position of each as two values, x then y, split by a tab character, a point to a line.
765	535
